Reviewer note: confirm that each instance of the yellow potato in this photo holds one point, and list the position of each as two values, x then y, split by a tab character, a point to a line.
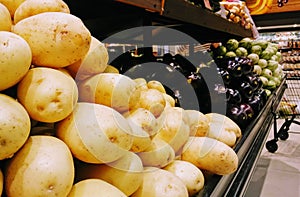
95	133
191	175
152	100
44	166
56	39
110	89
5	19
158	182
94	62
173	128
159	154
223	128
14	126
154	84
94	188
141	83
126	173
141	139
1	182
198	123
111	69
211	155
229	125
12	5
48	95
145	119
15	61
32	7
170	101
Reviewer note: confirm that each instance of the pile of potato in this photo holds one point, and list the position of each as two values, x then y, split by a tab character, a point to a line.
72	125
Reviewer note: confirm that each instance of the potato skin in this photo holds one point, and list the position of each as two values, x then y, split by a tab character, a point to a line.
48	95
94	188
56	39
32	7
191	176
211	155
16	59
5	18
45	164
14	126
159	182
95	133
125	173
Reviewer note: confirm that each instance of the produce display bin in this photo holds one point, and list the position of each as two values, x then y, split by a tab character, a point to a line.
203	24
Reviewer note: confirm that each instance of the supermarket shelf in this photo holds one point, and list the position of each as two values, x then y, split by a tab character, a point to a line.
248	150
186	12
119	15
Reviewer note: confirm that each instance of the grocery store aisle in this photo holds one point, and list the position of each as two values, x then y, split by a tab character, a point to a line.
278	174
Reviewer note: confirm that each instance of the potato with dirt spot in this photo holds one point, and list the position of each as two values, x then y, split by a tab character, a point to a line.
211	155
48	94
56	39
14	126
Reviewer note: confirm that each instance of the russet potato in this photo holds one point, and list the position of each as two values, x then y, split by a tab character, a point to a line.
95	133
94	188
14	126
94	62
16	59
45	164
5	18
48	94
125	173
56	39
33	7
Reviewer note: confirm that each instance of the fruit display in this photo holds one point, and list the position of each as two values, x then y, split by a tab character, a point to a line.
72	125
258	7
237	12
251	70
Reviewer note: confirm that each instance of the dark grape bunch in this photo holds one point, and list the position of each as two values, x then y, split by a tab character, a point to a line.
281	3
